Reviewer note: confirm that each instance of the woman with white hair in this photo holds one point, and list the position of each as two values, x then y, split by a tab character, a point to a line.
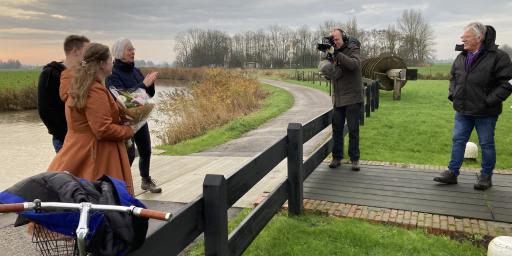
126	76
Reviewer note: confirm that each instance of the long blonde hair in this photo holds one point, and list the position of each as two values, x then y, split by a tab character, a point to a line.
86	72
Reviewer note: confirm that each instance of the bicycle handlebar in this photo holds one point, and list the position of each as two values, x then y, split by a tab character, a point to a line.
38	205
141	212
19	207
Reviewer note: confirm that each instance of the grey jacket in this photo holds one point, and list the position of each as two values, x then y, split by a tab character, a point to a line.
347	85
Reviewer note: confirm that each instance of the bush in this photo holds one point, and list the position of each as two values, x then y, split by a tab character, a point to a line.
219	97
187	74
19	98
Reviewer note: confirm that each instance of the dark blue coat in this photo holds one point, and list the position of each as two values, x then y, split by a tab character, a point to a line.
127	76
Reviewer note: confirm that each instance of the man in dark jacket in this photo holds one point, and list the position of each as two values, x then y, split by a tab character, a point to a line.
49	104
480	81
347	97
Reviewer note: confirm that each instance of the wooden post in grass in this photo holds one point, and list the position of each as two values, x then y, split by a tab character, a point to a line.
215	194
377	94
295	169
368	90
372	96
361	111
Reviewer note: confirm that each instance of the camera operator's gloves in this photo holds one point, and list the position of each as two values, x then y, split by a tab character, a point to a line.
326	68
331	50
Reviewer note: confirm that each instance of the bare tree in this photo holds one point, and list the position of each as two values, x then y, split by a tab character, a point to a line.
278	46
185	42
372	44
417	37
352	29
391	40
326	27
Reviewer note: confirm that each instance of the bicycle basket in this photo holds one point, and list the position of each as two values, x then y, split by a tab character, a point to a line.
50	243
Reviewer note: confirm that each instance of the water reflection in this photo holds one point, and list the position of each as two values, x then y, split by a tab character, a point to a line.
26	147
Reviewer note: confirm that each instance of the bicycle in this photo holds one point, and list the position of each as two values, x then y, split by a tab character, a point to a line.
52	243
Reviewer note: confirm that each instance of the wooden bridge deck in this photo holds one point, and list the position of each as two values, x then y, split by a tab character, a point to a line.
413	190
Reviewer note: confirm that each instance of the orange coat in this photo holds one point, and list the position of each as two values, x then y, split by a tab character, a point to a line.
94	145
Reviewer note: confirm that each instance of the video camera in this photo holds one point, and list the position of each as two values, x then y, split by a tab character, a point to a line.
327	43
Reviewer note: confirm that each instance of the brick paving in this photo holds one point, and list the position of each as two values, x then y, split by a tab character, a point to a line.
432	223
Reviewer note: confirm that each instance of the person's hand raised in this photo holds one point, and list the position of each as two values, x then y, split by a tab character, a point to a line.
150	78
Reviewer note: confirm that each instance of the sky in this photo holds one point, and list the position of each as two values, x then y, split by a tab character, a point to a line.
33	30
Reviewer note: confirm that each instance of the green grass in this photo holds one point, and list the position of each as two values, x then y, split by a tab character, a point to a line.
278	102
323	87
417	129
442	68
16	79
437	68
317	234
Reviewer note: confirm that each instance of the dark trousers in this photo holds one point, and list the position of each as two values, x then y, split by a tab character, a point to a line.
350	113
143	143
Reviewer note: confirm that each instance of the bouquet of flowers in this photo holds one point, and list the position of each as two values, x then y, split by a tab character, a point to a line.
136	105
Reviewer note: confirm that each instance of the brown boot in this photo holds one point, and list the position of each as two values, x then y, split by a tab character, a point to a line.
149	184
335	163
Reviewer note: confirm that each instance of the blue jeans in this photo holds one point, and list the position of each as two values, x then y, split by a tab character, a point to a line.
463	126
57	144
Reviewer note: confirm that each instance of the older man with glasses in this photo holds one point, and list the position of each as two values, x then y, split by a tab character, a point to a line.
480	82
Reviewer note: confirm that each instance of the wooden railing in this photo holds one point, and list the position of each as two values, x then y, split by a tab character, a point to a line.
208	213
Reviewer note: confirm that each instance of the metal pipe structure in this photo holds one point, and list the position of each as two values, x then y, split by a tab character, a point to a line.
390	72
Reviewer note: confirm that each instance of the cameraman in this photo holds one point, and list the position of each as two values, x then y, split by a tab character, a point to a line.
347	96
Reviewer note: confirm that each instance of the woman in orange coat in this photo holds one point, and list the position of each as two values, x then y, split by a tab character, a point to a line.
94	145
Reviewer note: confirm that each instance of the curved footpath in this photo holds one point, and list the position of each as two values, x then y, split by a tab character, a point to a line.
181	177
309	103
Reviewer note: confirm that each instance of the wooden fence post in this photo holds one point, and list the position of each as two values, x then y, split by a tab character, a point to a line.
215	215
377	94
372	97
368	100
295	169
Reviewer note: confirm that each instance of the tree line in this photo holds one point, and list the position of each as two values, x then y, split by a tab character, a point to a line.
10	64
411	38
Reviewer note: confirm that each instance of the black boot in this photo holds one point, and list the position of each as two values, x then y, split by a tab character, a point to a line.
484	182
149	184
446	177
355	166
335	163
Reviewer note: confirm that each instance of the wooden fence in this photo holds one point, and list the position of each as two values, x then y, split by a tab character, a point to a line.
208	213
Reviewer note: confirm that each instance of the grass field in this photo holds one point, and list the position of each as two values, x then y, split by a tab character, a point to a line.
16	79
417	129
317	234
438	71
442	68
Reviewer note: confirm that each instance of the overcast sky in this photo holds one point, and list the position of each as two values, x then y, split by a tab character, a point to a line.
33	30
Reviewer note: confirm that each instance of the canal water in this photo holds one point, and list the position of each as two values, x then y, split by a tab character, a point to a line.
26	147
